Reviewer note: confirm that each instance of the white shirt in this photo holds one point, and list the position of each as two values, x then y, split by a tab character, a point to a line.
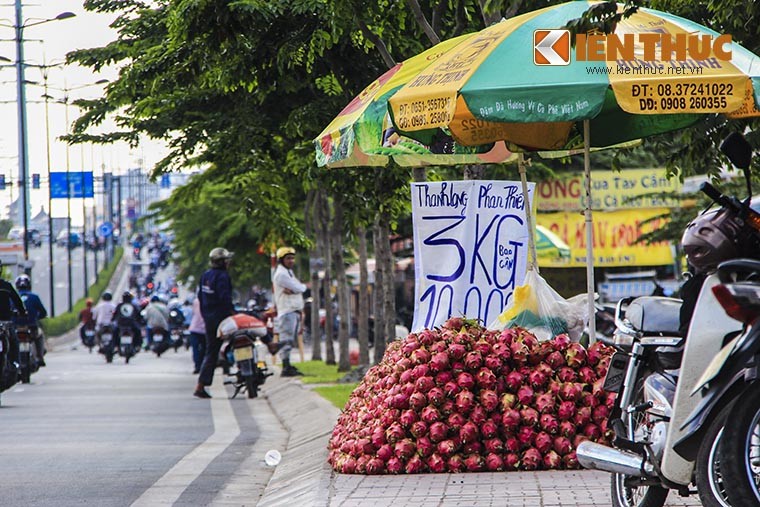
103	313
285	279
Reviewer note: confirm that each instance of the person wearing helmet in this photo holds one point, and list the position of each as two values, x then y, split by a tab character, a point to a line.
215	295
156	319
288	297
36	312
127	315
86	318
103	313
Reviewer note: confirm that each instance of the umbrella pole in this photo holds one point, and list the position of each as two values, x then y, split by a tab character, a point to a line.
533	263
589	233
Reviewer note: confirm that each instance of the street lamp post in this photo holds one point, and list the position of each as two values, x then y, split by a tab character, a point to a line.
22	126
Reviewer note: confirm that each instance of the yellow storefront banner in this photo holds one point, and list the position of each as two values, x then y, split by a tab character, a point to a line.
615	235
610	190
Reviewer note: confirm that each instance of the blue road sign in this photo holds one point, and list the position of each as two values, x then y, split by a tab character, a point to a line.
75	183
35	181
2	182
105	229
166	181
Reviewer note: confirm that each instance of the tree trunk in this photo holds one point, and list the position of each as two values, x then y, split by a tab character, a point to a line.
340	274
419	16
317	252
329	314
363	316
489	16
377	41
377	294
389	279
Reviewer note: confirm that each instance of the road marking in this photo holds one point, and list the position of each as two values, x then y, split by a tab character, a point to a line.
170	487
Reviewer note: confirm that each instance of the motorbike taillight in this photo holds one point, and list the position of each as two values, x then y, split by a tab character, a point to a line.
741	301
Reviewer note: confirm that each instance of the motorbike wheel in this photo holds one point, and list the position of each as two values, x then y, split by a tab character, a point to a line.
252	386
709	466
26	375
109	357
741	450
644	496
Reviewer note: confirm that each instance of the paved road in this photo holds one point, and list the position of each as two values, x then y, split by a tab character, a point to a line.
86	432
41	274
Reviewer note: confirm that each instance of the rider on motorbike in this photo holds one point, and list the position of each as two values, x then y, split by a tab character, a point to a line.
156	318
87	319
10	299
35	312
103	313
128	316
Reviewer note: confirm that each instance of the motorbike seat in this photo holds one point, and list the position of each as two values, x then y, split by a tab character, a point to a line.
655	315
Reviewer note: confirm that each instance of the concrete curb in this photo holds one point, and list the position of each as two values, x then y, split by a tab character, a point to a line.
303	477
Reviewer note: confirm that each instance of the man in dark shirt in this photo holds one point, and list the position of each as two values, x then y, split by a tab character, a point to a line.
36	312
215	295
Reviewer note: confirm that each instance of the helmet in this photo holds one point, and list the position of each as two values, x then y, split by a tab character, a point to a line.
710	239
285	250
126	297
23	282
218	255
107	296
154	298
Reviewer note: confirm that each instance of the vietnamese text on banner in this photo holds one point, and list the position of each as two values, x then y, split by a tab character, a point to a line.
470	248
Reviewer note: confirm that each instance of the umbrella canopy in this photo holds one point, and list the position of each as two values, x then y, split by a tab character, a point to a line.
363	135
489	85
549	245
521	81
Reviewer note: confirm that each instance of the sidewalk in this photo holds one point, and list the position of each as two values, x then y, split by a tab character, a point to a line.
304	479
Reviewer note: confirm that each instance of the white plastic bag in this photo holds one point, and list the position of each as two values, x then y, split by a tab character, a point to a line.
541	310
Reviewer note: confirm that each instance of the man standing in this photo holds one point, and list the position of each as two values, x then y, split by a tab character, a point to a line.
288	297
215	295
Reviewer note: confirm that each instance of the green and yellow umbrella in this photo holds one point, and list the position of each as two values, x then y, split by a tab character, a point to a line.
490	85
363	135
549	245
522	82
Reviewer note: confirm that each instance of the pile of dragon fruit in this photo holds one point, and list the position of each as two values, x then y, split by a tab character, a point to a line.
461	398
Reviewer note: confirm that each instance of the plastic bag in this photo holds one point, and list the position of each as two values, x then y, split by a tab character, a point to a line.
541	310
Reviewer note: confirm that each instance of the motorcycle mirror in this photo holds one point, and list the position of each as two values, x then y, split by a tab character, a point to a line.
737	149
739	152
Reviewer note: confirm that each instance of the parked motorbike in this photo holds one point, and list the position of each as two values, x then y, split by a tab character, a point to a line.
27	353
658	445
243	332
107	345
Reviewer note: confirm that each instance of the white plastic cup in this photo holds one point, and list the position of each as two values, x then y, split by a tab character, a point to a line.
272	457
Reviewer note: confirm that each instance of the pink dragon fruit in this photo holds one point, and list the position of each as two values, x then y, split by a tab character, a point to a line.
494	462
436	463
408	417
512	444
436	396
424	447
489	429
562	445
526	435
489	400
543	442
385	452
474	463
531	459
465	401
465	380
454	323
494	445
478	415
566	374
451	389
510	419
570	461
575	355
508	400
545	403
375	466
567	429
393	466
456	421
469	432
417	401
511	461
418	429
404	449
514	381
549	423
556	360
485	379
457	351
442	377
525	395
582	416
424	384
493	363
552	461
473	361
455	464
446	448
561	342
430	414
439	361
438	431
415	465
529	416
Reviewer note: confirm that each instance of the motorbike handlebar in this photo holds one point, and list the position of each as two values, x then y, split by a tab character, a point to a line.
713	193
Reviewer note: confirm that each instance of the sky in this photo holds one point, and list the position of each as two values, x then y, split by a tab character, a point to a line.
49	43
